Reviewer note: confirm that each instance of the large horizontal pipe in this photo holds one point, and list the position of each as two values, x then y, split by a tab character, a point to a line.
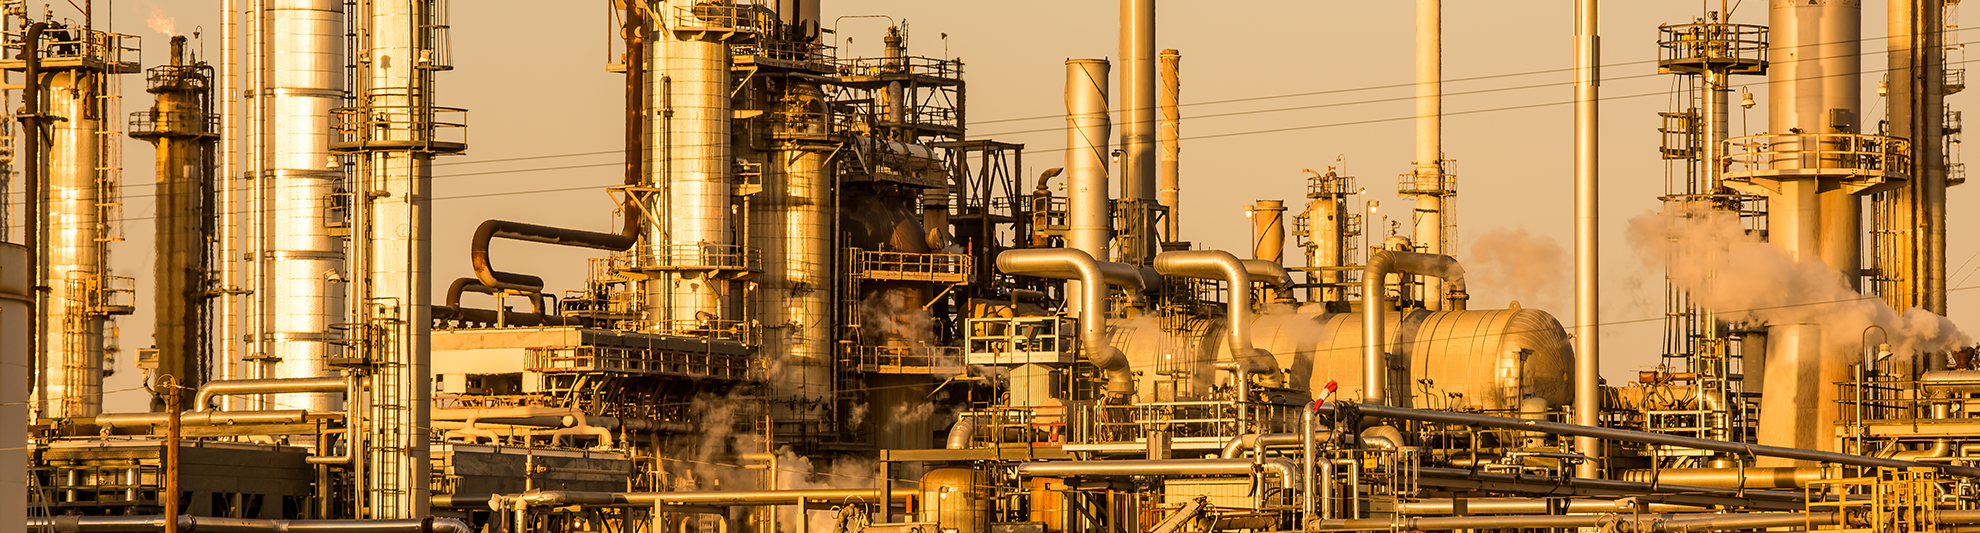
1951	381
1270	273
555	498
1751	478
212	418
1288	473
1465	478
1556	428
1253	441
484	268
511	318
1622	523
1221	265
237	387
1476	506
467	285
208	524
1072	264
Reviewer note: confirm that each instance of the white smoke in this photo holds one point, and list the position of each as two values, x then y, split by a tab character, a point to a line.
1525	267
1733	273
162	24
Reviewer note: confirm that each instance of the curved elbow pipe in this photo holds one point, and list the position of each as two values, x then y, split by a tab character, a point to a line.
484	268
1071	264
236	387
467	285
1221	265
1271	273
1374	341
959	435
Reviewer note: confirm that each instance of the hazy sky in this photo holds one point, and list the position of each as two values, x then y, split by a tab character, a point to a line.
1269	88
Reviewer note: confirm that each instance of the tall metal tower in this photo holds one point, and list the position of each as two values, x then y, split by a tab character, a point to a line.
1705	54
74	204
391	132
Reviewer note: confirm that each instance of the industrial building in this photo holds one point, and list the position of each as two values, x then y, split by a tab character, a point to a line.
825	306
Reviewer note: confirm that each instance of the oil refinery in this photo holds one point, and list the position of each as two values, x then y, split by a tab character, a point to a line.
824	300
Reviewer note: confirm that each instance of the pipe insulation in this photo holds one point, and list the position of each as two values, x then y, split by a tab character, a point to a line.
1075	265
1375	358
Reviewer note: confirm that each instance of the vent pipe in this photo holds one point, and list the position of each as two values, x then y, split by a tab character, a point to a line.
1169	137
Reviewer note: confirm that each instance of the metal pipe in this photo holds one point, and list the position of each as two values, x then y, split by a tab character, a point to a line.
1306	462
1169	137
1087	129
227	340
1221	265
959	434
1603	433
31	186
1235	447
204	400
557	498
1375	341
213	418
1951	381
137	524
465	285
1490	506
1630	523
1074	264
1587	216
1748	477
1288	480
1273	274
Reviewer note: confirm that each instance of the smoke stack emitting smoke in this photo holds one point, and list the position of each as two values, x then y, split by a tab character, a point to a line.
1728	271
162	24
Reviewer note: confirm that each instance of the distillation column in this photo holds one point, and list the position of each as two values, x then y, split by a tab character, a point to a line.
178	125
72	364
1910	252
689	76
297	294
77	206
396	139
1428	183
792	221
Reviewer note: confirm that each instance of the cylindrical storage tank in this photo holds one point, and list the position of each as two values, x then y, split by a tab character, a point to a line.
953	498
16	301
1490	359
1048	506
